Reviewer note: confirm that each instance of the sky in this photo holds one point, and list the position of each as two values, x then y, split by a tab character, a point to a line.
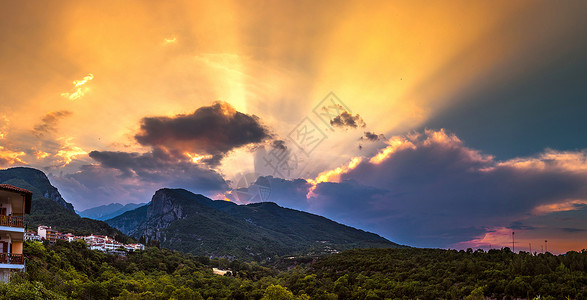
433	124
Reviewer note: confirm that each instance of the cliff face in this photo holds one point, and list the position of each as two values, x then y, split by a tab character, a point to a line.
165	208
35	181
53	194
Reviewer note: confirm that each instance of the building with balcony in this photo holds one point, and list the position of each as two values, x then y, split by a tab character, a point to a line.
134	247
14	203
48	233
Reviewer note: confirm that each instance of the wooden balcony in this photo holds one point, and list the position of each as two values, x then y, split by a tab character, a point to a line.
13	259
11	221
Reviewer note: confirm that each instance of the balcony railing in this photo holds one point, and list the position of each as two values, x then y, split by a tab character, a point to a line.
11	221
9	258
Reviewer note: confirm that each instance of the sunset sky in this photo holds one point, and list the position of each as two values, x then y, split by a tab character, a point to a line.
434	124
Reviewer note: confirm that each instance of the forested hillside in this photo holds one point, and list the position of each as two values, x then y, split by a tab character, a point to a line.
188	222
46	212
35	181
69	270
49	208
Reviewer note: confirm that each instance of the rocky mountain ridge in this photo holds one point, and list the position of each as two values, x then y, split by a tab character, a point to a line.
188	222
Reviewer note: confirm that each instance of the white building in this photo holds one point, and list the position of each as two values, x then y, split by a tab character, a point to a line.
134	247
32	236
95	242
70	237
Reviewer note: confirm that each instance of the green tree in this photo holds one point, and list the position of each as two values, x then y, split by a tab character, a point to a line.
277	292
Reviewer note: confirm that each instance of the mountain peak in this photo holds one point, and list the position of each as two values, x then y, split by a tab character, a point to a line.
35	181
170	202
182	220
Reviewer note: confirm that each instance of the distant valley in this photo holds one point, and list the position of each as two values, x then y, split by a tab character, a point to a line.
109	211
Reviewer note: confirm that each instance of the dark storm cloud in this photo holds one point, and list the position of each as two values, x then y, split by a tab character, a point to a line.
438	185
348	120
214	130
49	122
159	166
433	191
134	177
130	162
279	144
372	137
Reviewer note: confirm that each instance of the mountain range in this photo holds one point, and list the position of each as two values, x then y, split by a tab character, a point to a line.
189	222
109	211
181	220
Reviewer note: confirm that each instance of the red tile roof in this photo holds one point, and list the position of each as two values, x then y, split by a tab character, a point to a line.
27	194
8	187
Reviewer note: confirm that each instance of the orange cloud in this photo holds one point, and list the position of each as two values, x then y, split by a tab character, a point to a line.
8	157
3	126
399	143
395	143
167	41
333	175
41	154
69	152
196	158
78	88
551	159
561	206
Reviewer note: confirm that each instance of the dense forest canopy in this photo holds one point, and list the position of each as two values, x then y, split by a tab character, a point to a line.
70	270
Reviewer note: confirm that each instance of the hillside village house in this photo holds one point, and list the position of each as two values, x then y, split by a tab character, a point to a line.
31	236
95	242
48	233
107	244
14	203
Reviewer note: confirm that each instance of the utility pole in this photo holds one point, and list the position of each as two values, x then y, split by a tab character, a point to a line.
513	243
545	246
530	247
